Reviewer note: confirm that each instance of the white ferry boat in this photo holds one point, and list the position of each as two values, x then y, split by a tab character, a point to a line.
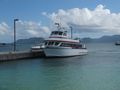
59	45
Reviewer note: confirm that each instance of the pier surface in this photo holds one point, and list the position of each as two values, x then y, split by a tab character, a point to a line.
8	56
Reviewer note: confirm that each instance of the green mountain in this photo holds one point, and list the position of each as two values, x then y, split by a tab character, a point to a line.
30	40
103	39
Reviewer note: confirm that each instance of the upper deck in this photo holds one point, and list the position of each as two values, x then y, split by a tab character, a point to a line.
58	34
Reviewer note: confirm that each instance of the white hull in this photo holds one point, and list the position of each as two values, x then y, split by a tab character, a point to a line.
64	52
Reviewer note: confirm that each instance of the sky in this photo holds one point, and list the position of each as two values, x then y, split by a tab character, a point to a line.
89	18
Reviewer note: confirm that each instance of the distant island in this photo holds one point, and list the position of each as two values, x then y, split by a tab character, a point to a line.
103	39
31	41
34	40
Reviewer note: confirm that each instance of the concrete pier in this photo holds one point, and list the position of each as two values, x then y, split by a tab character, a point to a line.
8	56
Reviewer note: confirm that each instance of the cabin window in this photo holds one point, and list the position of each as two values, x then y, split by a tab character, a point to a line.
62	44
64	34
46	43
50	43
73	45
52	33
76	45
56	43
65	45
60	33
80	45
56	33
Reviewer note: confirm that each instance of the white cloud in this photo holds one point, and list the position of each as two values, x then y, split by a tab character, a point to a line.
98	21
5	33
32	32
3	28
26	29
46	29
85	20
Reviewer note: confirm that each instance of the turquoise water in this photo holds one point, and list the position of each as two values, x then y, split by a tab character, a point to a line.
99	70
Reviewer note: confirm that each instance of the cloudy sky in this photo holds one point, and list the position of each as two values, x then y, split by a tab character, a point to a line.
89	18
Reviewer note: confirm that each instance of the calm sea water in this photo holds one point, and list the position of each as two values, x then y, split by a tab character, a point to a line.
99	70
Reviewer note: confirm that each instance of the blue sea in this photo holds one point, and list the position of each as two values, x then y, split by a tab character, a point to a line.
98	70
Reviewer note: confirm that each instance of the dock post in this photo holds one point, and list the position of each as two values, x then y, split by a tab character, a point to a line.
15	34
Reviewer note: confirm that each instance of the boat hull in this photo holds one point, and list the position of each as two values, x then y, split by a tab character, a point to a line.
64	52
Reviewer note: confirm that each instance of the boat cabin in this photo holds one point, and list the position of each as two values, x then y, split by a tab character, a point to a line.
58	34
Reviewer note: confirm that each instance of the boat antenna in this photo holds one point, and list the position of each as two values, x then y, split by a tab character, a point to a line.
71	31
58	26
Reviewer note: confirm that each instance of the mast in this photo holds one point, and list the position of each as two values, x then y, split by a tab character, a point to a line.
71	31
58	26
